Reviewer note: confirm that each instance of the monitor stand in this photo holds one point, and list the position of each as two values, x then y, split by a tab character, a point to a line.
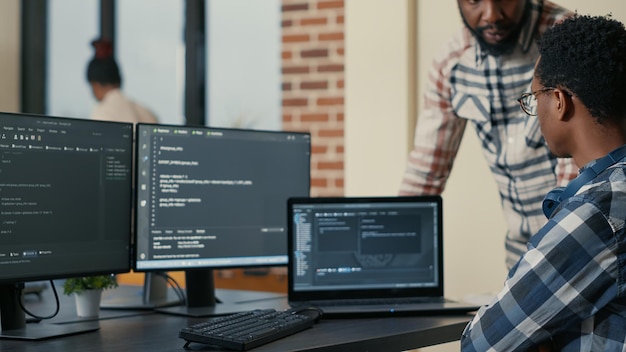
153	294
13	319
202	300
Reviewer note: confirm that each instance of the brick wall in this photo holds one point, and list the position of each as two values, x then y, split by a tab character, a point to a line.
313	85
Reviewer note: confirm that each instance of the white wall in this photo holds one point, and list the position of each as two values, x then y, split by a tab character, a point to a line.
377	116
377	96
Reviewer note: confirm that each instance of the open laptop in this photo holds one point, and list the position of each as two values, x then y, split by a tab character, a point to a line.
368	255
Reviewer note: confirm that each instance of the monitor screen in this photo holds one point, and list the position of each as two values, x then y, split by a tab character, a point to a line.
66	195
215	198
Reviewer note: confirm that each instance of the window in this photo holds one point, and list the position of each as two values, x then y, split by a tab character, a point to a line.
151	55
244	64
72	25
149	49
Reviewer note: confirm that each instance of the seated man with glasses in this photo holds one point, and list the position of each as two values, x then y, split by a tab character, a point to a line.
568	291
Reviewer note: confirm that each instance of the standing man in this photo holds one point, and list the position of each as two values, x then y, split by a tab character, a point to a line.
103	74
568	291
477	79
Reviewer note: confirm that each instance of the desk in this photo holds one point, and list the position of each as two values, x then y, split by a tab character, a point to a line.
150	331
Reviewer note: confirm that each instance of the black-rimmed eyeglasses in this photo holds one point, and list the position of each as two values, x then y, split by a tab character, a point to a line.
528	101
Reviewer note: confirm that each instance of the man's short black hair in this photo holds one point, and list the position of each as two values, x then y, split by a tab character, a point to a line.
586	56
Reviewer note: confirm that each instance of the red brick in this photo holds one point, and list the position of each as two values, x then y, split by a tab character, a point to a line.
286	55
340	51
330	101
295	7
339	183
286	86
319	182
319	149
296	38
314	53
314	118
286	23
295	69
330	68
330	165
295	102
331	36
340	19
314	21
340	83
314	85
337	4
330	133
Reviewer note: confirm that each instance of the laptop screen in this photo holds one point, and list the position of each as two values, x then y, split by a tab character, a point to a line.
382	244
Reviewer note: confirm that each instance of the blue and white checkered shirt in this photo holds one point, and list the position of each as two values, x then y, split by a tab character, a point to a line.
569	289
466	84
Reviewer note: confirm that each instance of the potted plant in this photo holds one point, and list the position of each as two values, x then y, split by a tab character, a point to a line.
87	291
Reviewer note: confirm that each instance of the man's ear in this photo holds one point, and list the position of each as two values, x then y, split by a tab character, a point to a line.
563	104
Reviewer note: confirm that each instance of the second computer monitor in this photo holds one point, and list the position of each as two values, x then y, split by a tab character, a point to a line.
215	198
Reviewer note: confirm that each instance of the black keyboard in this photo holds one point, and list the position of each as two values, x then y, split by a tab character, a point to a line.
247	330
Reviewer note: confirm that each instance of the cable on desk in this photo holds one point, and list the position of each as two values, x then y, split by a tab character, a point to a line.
174	284
20	287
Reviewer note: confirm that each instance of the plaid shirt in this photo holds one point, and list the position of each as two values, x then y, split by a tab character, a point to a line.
569	289
465	84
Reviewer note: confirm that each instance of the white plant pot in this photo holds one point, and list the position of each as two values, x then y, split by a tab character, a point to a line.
88	303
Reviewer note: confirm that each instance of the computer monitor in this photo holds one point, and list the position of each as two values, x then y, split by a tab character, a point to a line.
65	193
211	198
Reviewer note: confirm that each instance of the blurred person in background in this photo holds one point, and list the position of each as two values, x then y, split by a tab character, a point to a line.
103	74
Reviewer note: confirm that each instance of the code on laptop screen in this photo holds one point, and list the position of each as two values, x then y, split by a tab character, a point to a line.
366	245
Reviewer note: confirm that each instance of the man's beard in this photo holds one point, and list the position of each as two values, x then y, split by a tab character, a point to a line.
505	46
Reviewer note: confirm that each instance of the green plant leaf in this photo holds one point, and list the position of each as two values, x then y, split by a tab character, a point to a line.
78	285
